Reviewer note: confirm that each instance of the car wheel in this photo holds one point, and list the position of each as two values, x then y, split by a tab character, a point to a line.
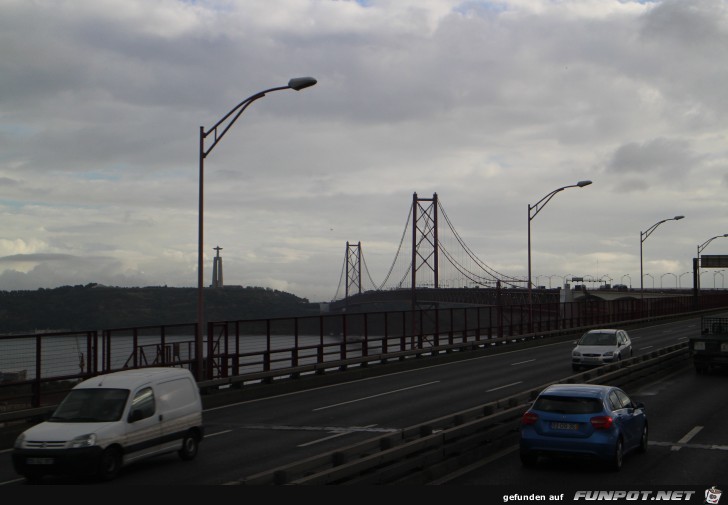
643	439
110	464
618	457
529	459
190	445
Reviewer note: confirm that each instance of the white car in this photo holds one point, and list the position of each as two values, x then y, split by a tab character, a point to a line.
599	347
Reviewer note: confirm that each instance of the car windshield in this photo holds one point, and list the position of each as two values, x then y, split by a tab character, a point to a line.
91	406
568	404
594	338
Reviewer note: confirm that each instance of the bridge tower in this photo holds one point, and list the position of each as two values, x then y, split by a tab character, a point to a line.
353	268
425	247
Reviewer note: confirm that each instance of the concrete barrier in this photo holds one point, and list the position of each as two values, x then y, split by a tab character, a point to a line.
419	454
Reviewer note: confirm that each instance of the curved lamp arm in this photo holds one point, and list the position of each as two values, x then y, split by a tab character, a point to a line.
645	234
543	201
705	244
297	83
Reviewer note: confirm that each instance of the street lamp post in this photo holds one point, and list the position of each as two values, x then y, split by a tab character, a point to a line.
643	237
550	277
630	280
697	262
668	273
537	208
224	125
702	273
679	281
653	280
715	274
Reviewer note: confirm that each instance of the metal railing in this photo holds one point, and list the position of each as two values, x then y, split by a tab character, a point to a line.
37	370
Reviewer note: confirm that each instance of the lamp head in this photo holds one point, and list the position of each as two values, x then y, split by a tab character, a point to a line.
678	217
581	184
298	83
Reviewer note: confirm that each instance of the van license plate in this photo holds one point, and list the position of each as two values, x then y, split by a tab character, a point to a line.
39	461
564	426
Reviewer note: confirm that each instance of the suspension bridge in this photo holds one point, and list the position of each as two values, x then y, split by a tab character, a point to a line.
433	264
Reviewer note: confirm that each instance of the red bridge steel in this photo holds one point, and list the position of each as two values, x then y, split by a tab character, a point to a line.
38	369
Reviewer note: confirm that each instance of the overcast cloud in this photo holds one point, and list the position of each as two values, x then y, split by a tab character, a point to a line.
489	104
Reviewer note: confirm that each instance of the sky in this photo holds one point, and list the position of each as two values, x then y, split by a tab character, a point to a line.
491	105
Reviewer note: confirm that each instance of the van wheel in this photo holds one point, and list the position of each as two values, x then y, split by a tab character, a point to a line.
110	463
190	445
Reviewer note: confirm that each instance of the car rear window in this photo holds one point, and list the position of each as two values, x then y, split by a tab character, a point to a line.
568	404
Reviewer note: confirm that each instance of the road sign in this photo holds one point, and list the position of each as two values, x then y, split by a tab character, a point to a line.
714	261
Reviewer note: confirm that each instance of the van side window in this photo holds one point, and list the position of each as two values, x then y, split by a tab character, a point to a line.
142	406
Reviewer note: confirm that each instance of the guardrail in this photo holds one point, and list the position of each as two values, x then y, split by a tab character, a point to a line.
37	370
219	391
420	454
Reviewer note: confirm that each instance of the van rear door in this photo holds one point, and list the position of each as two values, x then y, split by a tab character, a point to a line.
180	407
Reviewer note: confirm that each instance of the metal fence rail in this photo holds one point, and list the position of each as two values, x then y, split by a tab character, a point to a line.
37	370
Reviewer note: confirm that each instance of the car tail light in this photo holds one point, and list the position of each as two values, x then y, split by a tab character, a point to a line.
602	422
529	418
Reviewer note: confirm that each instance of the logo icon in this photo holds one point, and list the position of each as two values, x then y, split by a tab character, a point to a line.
712	495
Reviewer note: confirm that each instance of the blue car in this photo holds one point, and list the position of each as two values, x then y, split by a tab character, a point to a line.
585	421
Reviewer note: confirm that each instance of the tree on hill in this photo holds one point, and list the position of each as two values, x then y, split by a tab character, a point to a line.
93	307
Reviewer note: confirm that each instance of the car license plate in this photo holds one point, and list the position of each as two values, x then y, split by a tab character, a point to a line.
39	461
564	426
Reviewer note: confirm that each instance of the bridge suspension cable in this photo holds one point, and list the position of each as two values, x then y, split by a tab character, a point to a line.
487	276
494	275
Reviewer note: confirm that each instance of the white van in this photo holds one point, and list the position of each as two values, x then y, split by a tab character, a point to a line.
112	420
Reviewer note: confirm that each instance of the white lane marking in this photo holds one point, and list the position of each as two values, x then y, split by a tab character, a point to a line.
713	447
381	377
335	435
208	435
502	387
11	481
646	347
523	362
374	396
684	440
331	429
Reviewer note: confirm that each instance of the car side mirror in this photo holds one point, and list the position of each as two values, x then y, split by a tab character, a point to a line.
135	415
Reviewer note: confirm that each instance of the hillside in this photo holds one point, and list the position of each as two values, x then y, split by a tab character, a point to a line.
94	307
